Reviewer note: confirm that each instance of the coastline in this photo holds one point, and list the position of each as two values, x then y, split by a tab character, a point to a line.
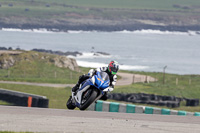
77	56
102	28
87	56
142	31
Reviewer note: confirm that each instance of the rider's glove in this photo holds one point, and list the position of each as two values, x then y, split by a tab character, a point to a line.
109	89
91	72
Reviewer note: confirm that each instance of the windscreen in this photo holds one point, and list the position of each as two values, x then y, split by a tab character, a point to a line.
104	76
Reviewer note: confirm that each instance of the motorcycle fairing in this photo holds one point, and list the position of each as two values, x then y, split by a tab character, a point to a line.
100	81
83	88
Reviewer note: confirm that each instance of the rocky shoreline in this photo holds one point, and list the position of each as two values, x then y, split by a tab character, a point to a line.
68	53
76	53
105	28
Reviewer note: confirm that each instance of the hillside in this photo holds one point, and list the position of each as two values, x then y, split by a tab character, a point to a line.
112	15
37	67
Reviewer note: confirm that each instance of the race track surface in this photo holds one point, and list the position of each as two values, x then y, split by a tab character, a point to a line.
61	120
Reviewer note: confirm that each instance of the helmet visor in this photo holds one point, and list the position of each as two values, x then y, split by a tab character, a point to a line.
115	68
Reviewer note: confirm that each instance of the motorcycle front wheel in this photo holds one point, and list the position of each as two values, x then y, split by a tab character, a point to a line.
88	98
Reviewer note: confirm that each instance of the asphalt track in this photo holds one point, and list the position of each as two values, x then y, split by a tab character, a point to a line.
61	120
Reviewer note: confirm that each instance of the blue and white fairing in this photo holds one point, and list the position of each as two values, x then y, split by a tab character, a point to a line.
100	81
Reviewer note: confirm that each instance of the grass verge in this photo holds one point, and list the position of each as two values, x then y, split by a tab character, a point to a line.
57	96
5	103
185	86
174	85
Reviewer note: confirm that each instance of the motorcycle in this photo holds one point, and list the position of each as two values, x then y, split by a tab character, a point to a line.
89	91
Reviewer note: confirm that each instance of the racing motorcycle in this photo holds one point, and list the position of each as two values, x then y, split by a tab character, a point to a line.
89	91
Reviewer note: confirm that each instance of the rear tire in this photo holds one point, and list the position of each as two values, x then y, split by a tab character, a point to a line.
69	104
90	100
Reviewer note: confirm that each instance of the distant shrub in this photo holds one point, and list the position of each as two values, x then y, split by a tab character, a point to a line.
10	5
26	10
176	6
182	7
64	5
3	48
186	7
47	5
10	48
18	48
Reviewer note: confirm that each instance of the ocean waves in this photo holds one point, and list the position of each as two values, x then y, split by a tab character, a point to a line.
121	67
143	31
144	50
91	59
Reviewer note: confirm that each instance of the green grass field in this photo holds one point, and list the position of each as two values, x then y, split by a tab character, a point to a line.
46	74
187	85
59	96
38	70
131	4
54	9
84	14
42	71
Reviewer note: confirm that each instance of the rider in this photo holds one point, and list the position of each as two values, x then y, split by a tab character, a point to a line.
111	70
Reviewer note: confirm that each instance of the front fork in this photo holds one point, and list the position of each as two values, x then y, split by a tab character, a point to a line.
74	94
73	99
99	96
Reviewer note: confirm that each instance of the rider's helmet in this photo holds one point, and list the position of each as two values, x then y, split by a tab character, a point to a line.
113	67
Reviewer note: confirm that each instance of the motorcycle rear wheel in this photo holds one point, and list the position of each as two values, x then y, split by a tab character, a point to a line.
90	99
69	104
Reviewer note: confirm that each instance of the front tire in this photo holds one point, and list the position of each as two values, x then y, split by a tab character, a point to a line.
89	100
69	104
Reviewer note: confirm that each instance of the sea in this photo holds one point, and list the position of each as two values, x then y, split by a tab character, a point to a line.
142	50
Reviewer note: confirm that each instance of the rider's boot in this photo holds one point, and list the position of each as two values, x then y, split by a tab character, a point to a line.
74	91
75	88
